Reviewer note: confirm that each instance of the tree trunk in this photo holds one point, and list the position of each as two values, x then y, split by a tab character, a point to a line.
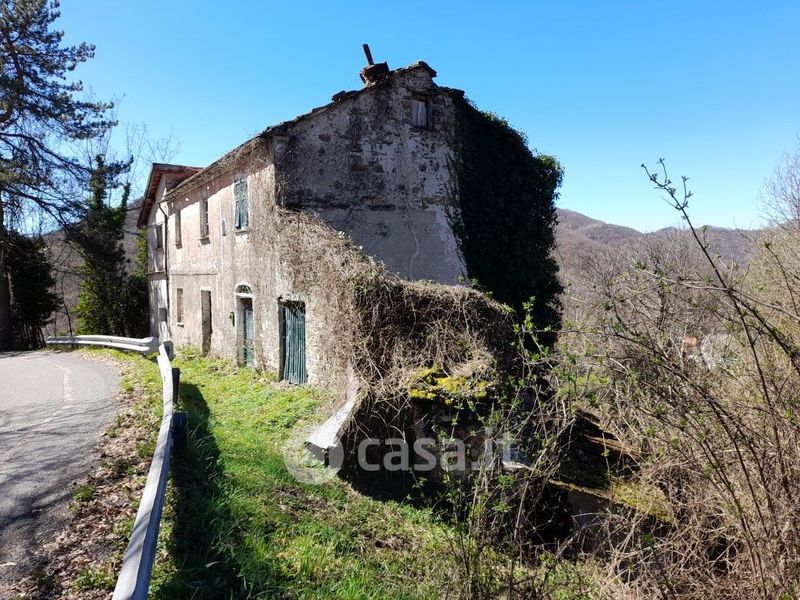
5	288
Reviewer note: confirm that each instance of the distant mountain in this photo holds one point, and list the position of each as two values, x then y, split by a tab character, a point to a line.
571	223
579	238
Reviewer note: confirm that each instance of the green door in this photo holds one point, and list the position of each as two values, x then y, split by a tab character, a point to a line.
293	342
248	333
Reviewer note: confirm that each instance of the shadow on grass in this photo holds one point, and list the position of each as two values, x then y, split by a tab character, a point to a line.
203	540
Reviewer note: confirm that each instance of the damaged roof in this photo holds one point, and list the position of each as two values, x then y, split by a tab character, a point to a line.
219	165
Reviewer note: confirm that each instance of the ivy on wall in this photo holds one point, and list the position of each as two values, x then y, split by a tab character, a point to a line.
507	213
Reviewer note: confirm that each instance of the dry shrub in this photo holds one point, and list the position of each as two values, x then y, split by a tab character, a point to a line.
696	364
378	325
380	332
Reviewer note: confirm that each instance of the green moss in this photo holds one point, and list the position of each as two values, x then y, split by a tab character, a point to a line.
645	498
433	384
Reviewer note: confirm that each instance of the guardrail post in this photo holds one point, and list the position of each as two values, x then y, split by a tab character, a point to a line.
176	382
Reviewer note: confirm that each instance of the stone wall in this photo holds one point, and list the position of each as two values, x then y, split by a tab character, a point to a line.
355	170
363	168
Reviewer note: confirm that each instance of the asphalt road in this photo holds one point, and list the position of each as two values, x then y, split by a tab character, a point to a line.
53	408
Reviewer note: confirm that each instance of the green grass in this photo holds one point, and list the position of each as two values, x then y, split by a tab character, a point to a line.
83	493
96	578
237	524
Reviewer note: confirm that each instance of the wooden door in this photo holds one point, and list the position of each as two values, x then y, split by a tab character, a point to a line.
205	307
293	342
248	333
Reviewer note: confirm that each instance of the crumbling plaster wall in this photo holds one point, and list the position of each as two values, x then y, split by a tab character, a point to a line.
156	268
358	167
363	168
256	257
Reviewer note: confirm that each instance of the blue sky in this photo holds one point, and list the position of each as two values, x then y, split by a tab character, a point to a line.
714	87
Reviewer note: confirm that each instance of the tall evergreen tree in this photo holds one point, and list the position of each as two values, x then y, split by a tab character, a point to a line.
107	303
30	279
41	118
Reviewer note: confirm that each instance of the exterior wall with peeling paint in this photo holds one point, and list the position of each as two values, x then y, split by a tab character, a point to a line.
367	171
360	166
156	269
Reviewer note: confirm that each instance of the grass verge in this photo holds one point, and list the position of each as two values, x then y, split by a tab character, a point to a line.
237	524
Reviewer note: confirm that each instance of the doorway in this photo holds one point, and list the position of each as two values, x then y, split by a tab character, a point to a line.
293	342
246	331
205	307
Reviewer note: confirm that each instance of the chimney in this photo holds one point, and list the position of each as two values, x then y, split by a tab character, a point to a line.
372	73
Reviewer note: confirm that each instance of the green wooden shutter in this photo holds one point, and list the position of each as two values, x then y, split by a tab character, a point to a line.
237	198
244	208
248	346
241	217
293	319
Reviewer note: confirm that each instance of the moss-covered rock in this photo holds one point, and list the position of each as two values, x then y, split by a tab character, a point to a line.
434	385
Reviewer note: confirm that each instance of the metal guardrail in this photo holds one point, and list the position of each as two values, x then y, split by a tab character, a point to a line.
145	346
133	582
137	566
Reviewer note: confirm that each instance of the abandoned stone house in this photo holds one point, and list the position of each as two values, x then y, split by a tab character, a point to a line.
372	164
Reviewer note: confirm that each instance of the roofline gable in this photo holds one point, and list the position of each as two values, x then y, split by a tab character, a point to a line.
281	129
157	171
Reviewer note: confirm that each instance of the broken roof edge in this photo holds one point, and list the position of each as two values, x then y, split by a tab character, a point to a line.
280	129
156	172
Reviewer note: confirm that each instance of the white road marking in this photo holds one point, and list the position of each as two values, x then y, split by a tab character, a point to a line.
66	404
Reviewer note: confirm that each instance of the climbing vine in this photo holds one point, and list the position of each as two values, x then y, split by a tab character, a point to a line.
507	213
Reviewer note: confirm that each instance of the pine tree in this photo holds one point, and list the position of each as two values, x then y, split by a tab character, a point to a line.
41	119
30	279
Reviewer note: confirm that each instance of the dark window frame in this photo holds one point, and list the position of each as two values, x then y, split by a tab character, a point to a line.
178	229
241	203
179	306
425	100
205	219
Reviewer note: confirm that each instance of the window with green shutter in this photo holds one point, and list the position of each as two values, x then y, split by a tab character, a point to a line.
241	217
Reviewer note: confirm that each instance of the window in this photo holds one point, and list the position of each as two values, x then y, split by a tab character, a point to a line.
179	305
241	217
203	217
159	237
245	332
419	111
178	232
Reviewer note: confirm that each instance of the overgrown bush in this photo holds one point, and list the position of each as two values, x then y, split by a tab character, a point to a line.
696	364
506	213
30	276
